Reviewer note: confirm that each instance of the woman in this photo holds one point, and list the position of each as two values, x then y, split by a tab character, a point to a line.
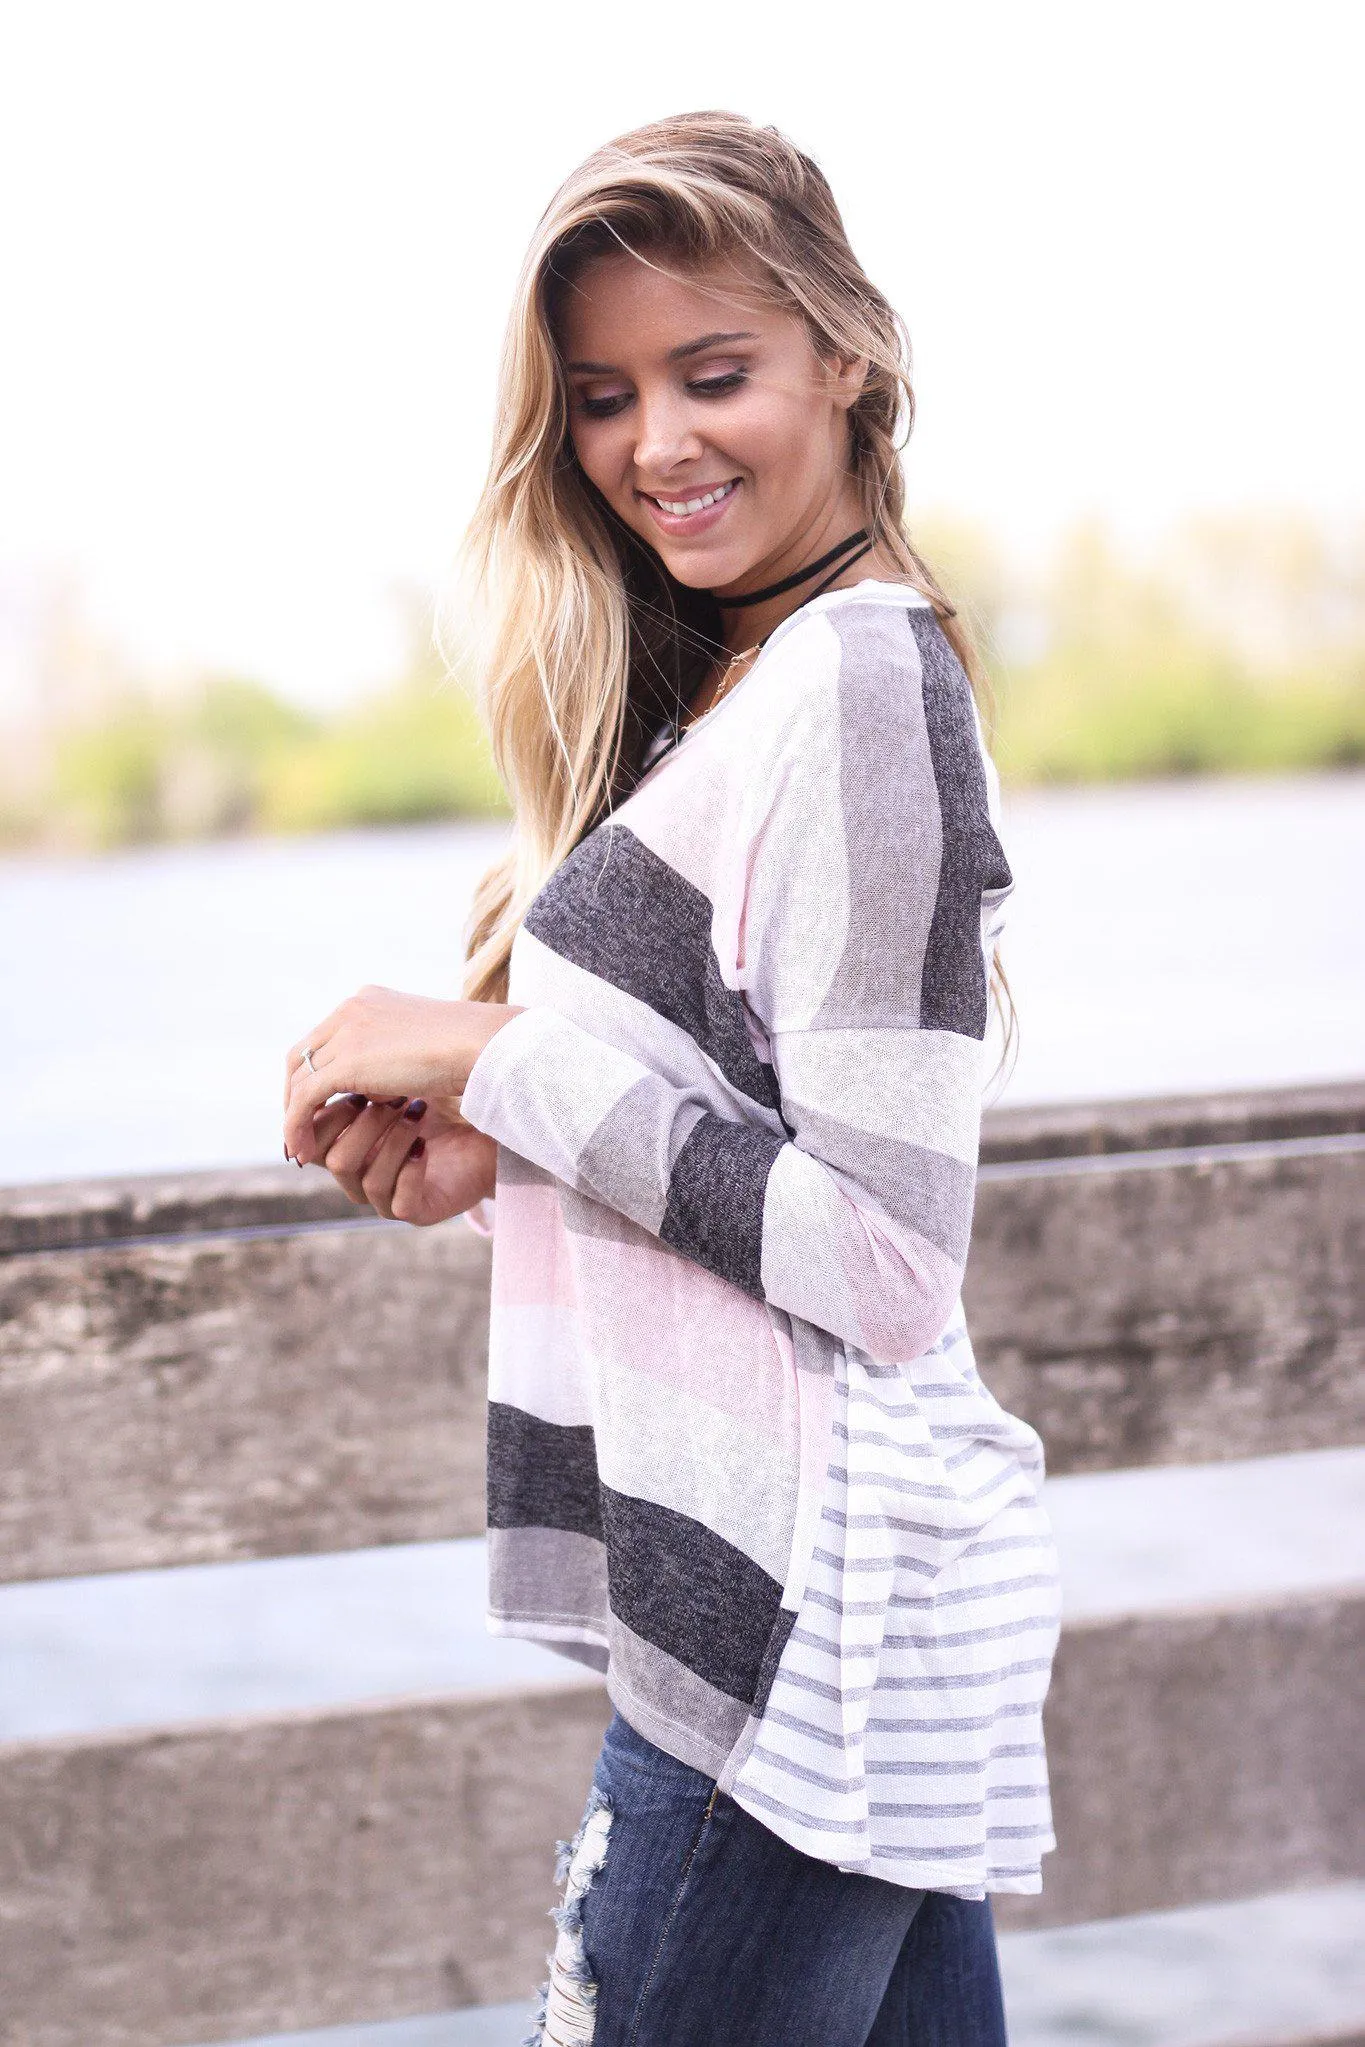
716	1093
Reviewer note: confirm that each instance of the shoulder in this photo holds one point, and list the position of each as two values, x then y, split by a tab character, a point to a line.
870	683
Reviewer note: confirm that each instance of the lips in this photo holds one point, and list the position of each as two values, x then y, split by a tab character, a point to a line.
681	508
694	513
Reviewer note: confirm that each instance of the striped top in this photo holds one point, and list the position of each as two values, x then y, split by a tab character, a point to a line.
739	1455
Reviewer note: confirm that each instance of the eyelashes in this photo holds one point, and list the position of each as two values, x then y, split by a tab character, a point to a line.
703	387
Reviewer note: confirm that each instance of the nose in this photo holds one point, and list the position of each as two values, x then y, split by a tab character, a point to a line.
665	434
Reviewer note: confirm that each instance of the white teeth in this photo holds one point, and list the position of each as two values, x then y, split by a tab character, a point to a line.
680	508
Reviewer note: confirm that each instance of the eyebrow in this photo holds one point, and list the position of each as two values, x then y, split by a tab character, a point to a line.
679	354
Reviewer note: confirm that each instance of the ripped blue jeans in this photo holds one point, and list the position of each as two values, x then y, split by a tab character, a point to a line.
685	1923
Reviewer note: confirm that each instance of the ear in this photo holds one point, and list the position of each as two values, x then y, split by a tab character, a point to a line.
848	379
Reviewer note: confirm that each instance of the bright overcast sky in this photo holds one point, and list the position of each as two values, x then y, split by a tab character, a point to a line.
256	259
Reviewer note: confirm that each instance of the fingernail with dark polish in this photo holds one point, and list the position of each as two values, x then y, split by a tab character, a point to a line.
415	1110
395	1102
358	1101
418	1148
286	1151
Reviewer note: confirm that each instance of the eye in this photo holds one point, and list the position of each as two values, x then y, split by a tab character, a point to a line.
716	387
604	408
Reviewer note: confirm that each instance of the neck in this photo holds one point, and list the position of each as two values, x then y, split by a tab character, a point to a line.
751	623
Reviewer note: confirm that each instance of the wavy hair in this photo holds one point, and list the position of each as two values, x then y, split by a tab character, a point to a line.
577	638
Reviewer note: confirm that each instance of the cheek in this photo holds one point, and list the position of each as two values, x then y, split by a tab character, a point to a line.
775	434
599	455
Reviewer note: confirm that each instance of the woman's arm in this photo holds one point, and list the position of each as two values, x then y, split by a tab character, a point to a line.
870	852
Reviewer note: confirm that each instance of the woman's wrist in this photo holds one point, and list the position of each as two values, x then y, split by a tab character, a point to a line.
478	1023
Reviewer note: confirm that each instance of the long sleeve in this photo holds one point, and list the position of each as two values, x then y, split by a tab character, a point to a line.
871	876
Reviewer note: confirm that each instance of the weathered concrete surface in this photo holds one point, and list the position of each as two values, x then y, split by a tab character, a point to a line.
1206	1754
58	1214
1176	1308
237	1390
177	1400
240	1877
246	1876
1054	1130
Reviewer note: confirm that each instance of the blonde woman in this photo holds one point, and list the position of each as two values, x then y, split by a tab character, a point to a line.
715	1091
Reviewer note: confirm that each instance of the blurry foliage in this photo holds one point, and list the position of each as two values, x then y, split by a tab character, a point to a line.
1240	648
416	753
228	756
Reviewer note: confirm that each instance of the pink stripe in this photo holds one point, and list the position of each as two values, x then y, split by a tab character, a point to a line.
531	1263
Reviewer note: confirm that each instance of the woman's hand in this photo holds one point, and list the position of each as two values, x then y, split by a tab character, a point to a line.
389	1047
413	1169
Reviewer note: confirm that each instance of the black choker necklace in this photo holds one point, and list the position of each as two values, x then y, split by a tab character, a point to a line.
835	554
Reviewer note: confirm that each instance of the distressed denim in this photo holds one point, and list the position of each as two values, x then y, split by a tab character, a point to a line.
686	1923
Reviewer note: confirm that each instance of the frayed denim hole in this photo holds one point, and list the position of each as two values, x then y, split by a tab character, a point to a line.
568	2010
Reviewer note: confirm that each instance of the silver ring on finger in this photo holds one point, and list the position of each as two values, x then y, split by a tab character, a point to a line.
308	1058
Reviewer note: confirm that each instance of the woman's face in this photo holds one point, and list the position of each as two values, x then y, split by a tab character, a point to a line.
708	423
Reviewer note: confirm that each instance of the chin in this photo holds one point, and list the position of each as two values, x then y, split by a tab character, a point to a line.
696	569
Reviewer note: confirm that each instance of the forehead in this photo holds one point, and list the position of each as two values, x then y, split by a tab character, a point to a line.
624	307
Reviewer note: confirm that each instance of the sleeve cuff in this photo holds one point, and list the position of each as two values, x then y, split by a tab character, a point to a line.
487	1085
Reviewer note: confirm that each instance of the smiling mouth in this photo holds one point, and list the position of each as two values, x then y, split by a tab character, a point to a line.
682	508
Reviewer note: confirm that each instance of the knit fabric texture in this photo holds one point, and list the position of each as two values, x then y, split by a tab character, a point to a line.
740	1458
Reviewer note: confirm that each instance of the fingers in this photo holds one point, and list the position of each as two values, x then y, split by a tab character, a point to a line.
350	1153
294	1061
390	1155
330	1122
308	1093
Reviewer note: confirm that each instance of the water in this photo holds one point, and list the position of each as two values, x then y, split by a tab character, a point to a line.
1161	938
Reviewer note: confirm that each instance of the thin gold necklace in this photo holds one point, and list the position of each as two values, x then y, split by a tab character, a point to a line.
727	682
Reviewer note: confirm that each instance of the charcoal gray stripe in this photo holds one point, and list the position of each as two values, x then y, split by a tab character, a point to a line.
618	911
677	1584
953	990
671	1580
715	1199
541	1474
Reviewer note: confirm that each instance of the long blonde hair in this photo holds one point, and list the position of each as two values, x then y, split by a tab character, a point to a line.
571	627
